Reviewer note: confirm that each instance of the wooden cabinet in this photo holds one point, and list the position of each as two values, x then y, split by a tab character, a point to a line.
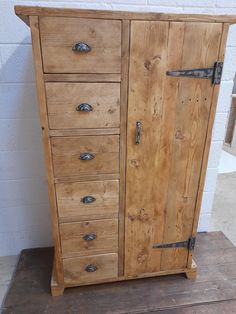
127	104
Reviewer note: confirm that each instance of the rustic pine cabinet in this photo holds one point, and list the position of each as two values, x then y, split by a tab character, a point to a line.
127	103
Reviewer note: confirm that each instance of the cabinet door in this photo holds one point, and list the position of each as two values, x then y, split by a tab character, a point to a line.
163	170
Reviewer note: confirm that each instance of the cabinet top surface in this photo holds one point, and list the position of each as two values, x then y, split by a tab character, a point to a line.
25	11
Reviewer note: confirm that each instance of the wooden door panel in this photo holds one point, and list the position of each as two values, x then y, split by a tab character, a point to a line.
164	169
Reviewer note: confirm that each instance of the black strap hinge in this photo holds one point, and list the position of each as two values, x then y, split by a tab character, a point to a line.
213	73
189	244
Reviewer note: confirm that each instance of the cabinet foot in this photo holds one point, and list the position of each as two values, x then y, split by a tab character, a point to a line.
56	288
191	273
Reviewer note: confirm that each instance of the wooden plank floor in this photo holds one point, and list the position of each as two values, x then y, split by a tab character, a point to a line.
214	290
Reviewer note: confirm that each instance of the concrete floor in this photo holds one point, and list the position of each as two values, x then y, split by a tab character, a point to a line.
223	219
224	207
7	266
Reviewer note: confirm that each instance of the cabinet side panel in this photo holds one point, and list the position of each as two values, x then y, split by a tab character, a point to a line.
225	29
34	25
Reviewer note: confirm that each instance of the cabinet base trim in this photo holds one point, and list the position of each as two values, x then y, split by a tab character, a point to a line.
190	273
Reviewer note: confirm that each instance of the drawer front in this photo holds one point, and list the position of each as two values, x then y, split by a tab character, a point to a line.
85	155
83	105
88	200
89	269
59	37
89	237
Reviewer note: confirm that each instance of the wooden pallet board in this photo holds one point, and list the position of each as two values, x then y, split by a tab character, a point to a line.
214	290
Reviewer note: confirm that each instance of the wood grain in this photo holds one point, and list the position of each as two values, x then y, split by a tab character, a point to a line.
59	34
192	112
66	153
24	11
73	243
64	98
75	273
82	77
58	272
172	140
71	208
148	54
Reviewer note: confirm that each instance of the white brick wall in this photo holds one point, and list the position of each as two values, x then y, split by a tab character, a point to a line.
24	209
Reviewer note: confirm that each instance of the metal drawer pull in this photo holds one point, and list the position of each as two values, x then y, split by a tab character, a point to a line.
86	156
84	107
91	268
88	199
138	132
89	237
81	47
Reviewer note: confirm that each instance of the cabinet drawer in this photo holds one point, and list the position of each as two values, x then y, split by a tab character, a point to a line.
88	200
89	237
84	155
59	35
83	105
89	269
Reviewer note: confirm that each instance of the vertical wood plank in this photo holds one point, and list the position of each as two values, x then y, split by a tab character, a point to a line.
34	25
200	49
125	41
221	54
144	214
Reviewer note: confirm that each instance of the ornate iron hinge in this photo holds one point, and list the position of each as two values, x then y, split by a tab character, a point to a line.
189	244
214	73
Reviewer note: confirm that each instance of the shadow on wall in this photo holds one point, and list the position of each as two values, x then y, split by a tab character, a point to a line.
24	205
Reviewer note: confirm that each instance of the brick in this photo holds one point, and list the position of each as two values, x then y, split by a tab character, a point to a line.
165	9
17	63
129	3
225	99
18	101
24	216
199	10
207	202
231	40
20	134
219	128
215	153
226	3
198	3
224	10
204	222
211	177
91	4
13	242
229	64
23	192
135	8
168	3
12	30
18	165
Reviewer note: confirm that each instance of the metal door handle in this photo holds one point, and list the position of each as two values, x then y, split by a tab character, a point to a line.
81	47
86	156
138	132
84	107
89	237
91	268
88	199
